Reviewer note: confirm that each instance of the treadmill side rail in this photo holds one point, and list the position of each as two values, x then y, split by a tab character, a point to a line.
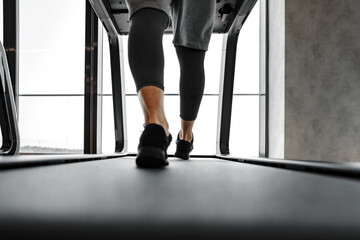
8	116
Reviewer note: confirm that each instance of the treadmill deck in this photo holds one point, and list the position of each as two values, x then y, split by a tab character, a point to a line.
199	197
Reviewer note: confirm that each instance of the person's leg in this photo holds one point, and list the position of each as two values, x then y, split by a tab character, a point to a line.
146	59
193	25
186	130
152	102
192	82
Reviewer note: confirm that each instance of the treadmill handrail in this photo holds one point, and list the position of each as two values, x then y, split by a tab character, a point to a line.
8	118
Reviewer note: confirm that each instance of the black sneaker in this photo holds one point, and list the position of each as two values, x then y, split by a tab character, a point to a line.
184	148
152	147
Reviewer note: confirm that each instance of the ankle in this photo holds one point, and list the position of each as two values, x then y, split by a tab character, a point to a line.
185	136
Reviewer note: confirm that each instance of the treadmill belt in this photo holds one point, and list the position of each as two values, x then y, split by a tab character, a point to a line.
201	197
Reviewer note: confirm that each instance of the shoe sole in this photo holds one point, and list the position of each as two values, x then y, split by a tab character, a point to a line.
151	157
181	155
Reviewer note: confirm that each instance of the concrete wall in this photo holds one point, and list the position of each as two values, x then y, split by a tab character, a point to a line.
321	81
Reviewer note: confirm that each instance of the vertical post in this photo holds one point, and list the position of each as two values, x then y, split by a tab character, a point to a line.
10	78
264	80
91	81
103	9
100	88
243	9
226	91
117	77
11	43
8	120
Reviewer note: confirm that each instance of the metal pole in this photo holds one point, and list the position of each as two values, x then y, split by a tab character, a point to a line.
243	9
91	82
264	80
11	43
117	76
104	12
226	92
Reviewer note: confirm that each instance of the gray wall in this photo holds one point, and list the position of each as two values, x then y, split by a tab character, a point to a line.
321	82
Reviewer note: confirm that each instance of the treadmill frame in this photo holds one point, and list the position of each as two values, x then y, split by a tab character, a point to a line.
236	21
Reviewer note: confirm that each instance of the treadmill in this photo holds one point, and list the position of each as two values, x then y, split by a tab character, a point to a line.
102	196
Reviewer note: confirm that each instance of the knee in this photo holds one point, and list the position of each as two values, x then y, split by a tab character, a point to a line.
149	19
190	58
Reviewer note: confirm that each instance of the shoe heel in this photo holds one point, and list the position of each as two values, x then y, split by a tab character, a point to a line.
151	157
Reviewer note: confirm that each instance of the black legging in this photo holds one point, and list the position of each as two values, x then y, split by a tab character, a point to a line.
146	59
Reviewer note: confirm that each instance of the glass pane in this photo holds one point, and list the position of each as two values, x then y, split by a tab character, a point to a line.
134	121
172	69
205	127
108	130
247	60
130	87
52	43
206	124
51	124
106	65
244	134
213	64
244	137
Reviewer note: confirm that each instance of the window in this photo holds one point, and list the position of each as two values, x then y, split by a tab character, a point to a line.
207	118
51	75
51	85
244	135
244	139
